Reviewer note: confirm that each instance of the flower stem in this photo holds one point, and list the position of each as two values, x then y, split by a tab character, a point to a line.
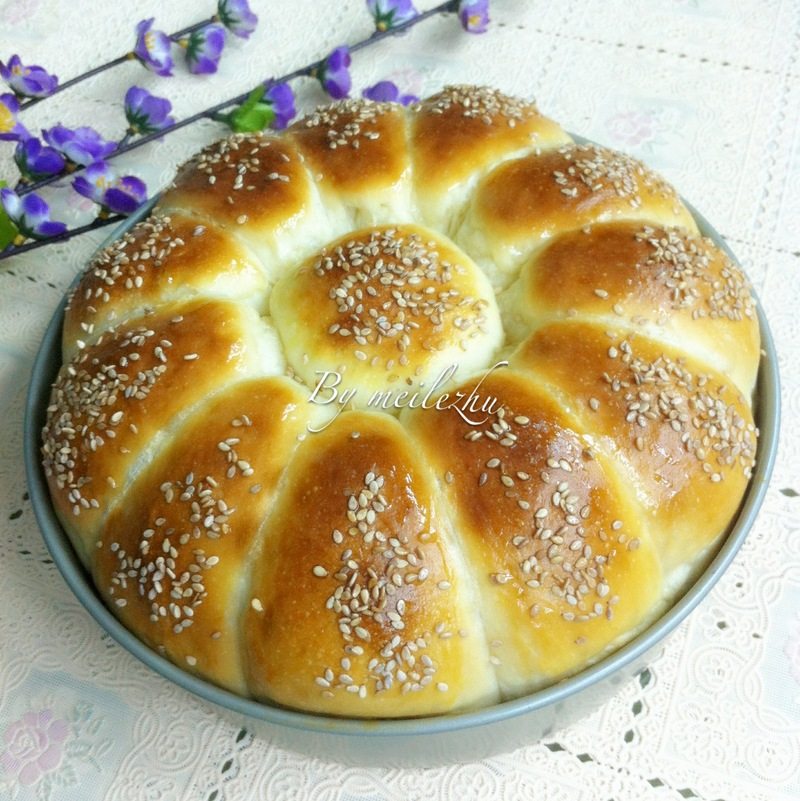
98	222
124	141
209	113
443	8
125	145
108	65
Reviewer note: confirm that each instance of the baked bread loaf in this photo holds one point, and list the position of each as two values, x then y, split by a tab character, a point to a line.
403	411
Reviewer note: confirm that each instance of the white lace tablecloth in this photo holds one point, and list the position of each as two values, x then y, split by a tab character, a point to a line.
708	92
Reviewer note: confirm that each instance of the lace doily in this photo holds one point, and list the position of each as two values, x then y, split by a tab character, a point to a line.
705	91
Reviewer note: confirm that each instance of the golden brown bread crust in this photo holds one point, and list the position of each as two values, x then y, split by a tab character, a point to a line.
256	187
162	259
682	433
562	563
460	132
356	153
359	560
172	564
660	281
524	202
399	559
113	403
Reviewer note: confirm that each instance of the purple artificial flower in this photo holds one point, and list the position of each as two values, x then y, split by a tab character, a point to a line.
204	49
101	184
11	129
474	15
35	161
237	17
334	74
387	92
31	215
81	145
30	81
281	99
146	113
389	14
153	48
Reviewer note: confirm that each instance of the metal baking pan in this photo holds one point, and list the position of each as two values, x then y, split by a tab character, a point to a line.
421	741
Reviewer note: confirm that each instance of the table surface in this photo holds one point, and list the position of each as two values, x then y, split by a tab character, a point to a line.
706	91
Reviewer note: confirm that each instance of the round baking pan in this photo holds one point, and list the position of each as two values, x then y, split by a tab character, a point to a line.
419	741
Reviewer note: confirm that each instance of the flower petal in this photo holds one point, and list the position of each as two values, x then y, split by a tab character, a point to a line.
121	202
51	757
204	49
153	48
34	210
237	17
49	228
87	189
382	92
474	15
58	731
12	205
29	774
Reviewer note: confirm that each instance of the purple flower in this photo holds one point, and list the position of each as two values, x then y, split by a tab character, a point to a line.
80	146
387	92
100	183
35	161
34	745
146	113
280	98
334	74
11	129
474	15
237	17
30	81
204	49
31	215
391	13
153	48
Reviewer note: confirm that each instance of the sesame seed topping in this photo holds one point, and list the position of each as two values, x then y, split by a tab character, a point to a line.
348	123
392	292
665	393
686	267
489	106
591	168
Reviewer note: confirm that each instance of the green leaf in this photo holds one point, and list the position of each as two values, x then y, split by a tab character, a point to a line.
252	115
8	230
256	119
253	99
789	492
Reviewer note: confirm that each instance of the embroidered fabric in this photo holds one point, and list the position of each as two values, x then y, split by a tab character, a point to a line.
705	91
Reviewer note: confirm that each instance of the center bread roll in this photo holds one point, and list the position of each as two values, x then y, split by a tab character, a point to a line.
386	308
403	411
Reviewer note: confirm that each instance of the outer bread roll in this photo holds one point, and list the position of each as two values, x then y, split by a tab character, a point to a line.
403	411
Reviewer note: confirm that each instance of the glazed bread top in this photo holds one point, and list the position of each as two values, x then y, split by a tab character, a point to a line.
403	411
